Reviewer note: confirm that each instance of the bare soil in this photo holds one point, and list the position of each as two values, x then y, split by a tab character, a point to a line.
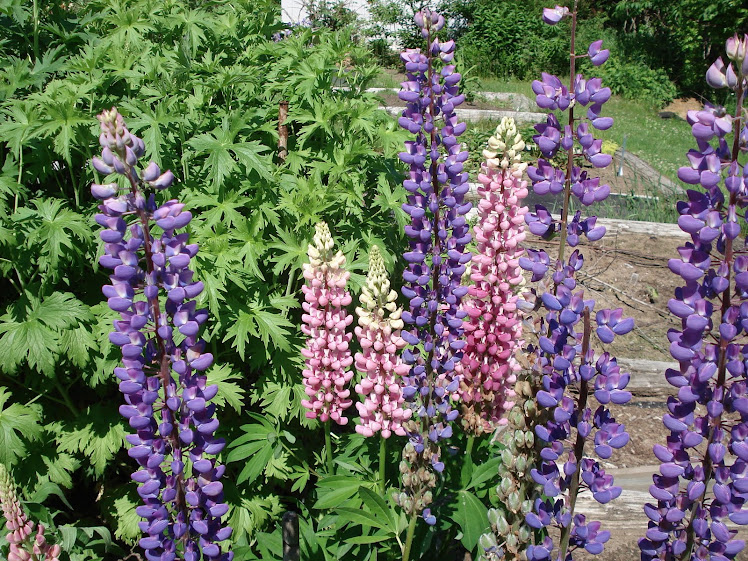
680	107
630	271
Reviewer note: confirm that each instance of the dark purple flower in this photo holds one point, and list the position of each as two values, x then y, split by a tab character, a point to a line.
437	257
699	490
167	398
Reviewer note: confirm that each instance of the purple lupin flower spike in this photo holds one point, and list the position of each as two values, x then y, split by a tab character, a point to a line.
703	481
565	372
438	234
166	393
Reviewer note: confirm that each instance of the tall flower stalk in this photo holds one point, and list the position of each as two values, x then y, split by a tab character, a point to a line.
378	332
26	539
565	371
438	235
493	325
327	351
703	481
166	392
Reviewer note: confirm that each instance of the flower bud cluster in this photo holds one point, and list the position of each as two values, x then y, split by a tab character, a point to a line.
493	326
378	332
510	532
702	485
26	539
166	393
438	233
734	74
327	351
564	367
420	455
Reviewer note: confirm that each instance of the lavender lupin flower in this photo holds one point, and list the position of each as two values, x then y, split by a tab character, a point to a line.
438	234
703	481
565	372
166	393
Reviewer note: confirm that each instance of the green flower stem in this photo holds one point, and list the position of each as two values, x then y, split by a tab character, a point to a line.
409	536
328	448
382	463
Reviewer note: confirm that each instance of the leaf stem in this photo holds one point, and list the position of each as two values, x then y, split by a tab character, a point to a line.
382	463
570	158
328	448
66	398
409	537
35	10
579	444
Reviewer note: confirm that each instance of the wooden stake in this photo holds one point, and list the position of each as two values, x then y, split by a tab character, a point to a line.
282	130
290	534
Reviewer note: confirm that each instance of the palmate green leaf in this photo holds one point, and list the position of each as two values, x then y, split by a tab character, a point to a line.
247	514
18	424
21	124
119	502
221	208
30	330
128	23
275	399
256	446
225	154
78	344
252	246
191	26
336	490
229	393
16	75
63	122
60	469
379	508
390	201
52	231
97	434
291	251
252	320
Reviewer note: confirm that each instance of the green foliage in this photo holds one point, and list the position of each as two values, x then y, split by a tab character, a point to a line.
682	38
509	38
18	423
635	80
201	84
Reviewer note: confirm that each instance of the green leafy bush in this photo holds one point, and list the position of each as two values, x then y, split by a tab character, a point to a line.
636	80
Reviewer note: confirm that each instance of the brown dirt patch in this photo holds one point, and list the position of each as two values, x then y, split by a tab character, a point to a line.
630	271
681	107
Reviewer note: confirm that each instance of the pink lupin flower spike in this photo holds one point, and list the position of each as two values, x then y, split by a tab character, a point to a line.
493	327
325	320
378	332
25	543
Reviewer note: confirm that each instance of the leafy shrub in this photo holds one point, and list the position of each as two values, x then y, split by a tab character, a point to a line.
636	80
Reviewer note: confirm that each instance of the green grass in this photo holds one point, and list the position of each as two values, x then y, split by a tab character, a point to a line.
663	143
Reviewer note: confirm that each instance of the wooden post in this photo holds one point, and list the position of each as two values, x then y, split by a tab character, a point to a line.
282	130
290	536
